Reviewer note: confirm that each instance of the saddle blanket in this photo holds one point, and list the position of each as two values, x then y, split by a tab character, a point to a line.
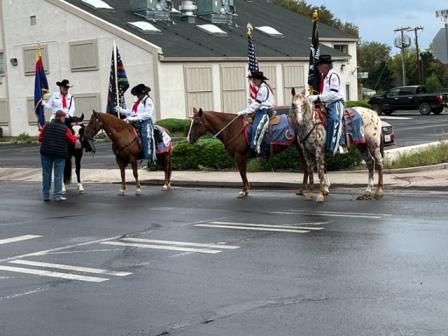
164	143
282	132
354	128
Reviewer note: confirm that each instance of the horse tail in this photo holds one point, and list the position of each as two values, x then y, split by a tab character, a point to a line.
68	171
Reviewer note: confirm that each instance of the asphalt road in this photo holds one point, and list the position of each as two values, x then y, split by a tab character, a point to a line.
200	262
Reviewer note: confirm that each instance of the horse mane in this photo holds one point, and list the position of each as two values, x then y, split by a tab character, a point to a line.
222	115
113	121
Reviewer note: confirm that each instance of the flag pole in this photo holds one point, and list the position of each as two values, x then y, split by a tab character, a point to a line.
116	79
314	19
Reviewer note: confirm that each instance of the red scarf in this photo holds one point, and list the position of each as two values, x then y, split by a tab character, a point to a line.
321	84
134	107
64	101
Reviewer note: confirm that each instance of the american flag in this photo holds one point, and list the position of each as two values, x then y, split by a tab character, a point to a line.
313	72
253	63
123	84
40	88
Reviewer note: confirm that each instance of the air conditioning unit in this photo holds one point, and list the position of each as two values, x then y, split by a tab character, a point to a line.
152	10
216	11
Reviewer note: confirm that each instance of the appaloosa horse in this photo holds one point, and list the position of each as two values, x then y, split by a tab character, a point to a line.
74	150
231	131
125	145
312	139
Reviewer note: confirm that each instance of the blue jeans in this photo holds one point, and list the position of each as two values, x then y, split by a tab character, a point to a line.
260	113
334	125
48	161
142	127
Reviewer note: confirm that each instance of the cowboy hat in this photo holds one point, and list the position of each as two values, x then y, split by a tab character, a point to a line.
324	59
258	75
140	89
64	83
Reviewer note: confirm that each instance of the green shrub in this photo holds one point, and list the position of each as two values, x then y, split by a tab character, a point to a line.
175	126
353	103
185	156
212	154
352	159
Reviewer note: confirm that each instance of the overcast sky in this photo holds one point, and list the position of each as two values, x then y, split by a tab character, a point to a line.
377	19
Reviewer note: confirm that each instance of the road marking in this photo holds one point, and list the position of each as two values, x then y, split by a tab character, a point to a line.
249	228
51	274
161	247
276	226
69	267
332	214
179	243
395	118
18	238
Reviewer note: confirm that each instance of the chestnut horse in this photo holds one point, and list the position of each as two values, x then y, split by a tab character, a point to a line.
231	131
312	137
125	145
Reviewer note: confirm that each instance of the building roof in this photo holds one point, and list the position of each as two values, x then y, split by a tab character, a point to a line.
179	39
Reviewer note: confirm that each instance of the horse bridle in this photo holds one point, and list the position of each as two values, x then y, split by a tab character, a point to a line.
302	140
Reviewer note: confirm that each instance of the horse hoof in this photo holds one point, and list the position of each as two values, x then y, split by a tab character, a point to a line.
320	198
138	192
379	195
299	192
165	187
309	196
121	193
364	196
242	194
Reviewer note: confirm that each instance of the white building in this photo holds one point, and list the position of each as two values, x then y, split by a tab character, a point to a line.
186	61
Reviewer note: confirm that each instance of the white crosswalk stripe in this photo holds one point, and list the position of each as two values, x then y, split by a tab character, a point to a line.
292	228
332	214
162	247
17	239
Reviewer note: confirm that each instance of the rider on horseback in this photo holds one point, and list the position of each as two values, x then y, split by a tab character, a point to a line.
261	106
61	100
331	96
141	117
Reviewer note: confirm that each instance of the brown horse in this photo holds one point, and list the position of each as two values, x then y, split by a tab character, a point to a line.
232	134
125	145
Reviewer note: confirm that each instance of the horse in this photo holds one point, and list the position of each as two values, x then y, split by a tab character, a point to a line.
312	138
74	150
126	147
231	132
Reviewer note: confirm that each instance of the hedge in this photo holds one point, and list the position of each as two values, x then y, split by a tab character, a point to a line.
175	126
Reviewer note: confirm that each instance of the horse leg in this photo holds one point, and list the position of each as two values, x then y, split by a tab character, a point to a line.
320	161
67	174
166	158
123	179
310	162
240	161
304	166
78	156
379	193
138	190
370	162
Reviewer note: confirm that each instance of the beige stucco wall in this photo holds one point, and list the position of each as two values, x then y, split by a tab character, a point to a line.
56	28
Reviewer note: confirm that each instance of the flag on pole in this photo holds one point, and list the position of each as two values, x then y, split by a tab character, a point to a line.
118	83
40	88
313	72
253	63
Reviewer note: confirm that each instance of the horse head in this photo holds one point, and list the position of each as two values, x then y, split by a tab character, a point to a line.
94	125
301	106
198	126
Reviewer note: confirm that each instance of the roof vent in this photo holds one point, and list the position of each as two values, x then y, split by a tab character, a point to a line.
152	10
217	11
187	9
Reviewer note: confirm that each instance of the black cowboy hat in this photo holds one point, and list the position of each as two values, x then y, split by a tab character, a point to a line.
258	75
324	59
64	83
140	89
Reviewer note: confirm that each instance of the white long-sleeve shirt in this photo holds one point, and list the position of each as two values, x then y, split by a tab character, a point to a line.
55	104
265	99
332	89
144	110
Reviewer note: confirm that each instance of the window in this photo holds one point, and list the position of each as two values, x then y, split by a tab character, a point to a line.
347	92
29	59
343	48
2	63
33	20
83	55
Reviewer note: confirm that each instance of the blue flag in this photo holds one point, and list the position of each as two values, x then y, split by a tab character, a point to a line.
40	88
121	80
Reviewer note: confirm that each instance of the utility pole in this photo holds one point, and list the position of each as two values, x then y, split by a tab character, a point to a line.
402	44
419	67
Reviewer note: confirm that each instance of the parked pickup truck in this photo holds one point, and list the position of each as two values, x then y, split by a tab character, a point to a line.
412	97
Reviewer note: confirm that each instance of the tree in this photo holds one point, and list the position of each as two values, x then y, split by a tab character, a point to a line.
374	58
325	16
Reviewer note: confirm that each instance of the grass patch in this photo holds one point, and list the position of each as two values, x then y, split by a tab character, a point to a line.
429	156
22	138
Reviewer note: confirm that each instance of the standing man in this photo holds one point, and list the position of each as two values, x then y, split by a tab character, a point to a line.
141	117
61	100
261	106
54	138
331	96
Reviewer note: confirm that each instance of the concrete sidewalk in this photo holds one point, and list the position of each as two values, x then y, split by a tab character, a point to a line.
430	177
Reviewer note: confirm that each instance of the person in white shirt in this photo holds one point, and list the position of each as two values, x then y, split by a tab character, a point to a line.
61	100
262	105
331	96
141	116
